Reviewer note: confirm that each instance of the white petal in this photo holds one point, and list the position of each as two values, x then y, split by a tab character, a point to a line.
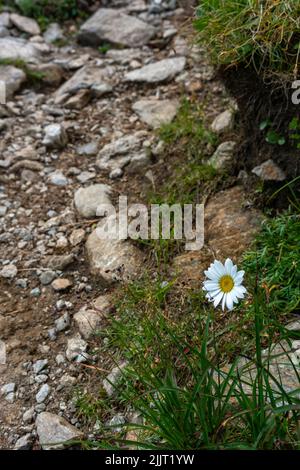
223	302
238	279
240	291
211	285
228	266
219	267
234	271
211	274
229	302
218	299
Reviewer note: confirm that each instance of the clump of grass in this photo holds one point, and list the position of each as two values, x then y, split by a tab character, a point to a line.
276	262
188	128
188	401
33	76
264	34
45	11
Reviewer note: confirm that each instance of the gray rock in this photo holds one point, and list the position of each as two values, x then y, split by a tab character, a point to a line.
13	78
138	162
112	380
2	353
15	48
77	236
111	259
85	176
42	393
58	179
63	322
24	442
55	432
39	365
116	423
76	349
36	292
101	89
5	20
117	154
223	122
60	262
115	27
10	397
55	136
3	210
4	32
269	171
156	112
85	78
47	277
87	200
27	25
156	72
53	33
28	416
9	271
8	388
88	149
222	158
87	321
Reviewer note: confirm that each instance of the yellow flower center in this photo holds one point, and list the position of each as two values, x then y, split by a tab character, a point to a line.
226	283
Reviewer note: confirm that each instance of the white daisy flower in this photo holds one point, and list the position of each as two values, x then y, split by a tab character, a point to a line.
224	284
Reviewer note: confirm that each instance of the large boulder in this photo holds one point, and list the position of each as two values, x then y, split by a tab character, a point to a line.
114	26
16	48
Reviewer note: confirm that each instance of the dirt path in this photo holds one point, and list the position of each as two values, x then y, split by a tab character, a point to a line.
39	222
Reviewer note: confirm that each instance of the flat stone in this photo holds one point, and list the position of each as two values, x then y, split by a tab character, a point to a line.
76	349
2	353
8	388
156	112
87	200
269	171
77	236
13	78
9	271
58	179
87	321
53	33
114	26
156	72
47	277
42	393
24	442
230	227
111	382
88	149
113	260
16	48
103	304
39	365
85	176
63	322
61	284
25	24
60	262
117	154
54	432
85	78
223	122
223	156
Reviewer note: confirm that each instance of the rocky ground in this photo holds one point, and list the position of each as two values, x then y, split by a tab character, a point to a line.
84	134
